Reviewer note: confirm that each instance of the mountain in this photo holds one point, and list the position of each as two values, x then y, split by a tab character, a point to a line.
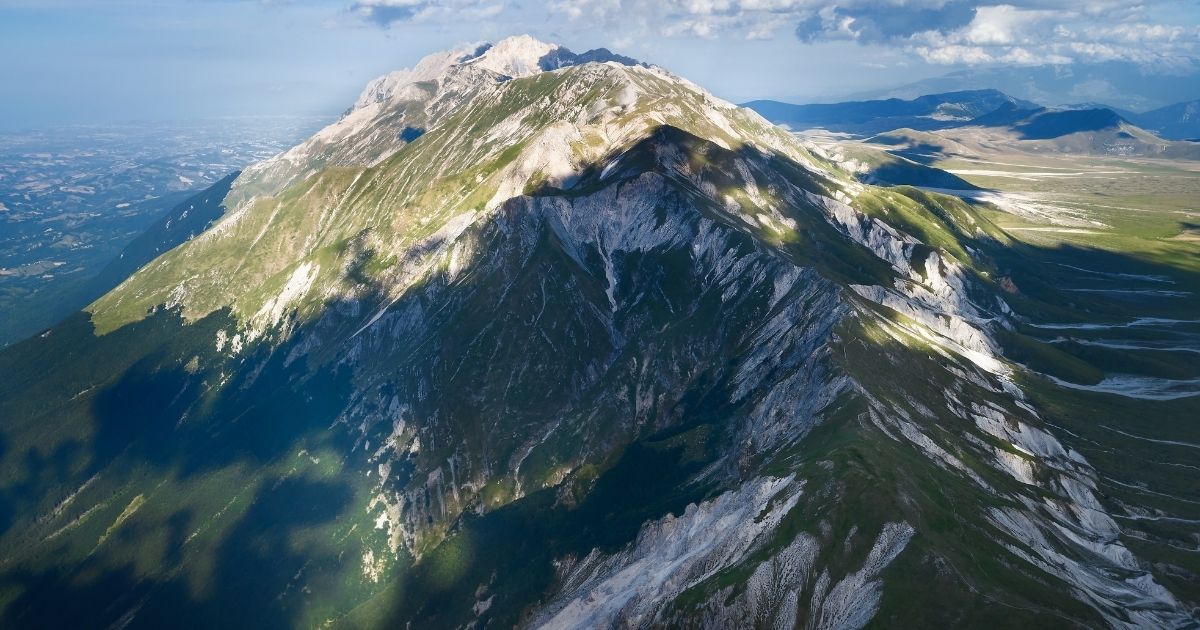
1044	124
1006	116
930	111
1130	86
594	348
1180	121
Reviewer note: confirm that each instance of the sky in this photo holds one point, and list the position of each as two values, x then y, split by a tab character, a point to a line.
99	61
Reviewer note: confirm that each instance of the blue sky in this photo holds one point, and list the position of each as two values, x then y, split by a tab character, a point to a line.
86	61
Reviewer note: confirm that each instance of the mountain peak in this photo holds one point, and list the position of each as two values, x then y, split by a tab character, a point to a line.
517	56
512	57
523	55
401	106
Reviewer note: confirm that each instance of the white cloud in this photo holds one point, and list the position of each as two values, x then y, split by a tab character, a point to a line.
939	31
950	32
749	19
1002	25
1032	36
388	12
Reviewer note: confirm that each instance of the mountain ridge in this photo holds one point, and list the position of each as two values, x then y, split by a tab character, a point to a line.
1180	121
409	101
593	331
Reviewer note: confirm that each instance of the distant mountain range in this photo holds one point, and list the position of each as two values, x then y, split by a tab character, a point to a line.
987	108
1180	121
932	111
1128	86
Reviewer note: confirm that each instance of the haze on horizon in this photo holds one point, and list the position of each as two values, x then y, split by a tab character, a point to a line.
85	62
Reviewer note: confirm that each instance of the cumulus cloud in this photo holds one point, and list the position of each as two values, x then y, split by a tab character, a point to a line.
951	32
385	13
938	31
750	19
872	23
1015	35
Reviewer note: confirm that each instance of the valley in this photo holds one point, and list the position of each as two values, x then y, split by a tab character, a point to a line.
71	199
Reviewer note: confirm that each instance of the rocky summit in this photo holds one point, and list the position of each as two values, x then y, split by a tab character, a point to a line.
531	338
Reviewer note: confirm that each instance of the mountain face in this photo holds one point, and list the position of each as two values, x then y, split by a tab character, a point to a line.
931	111
1180	121
1046	124
594	348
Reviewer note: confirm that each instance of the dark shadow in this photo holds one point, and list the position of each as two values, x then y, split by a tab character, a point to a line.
522	541
254	567
921	152
1046	125
408	134
901	171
